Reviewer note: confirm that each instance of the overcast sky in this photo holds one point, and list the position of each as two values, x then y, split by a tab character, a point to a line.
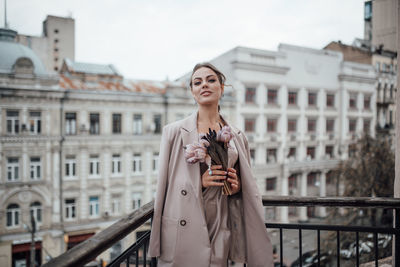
155	39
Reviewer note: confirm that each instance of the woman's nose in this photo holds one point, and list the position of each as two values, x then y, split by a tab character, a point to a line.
205	84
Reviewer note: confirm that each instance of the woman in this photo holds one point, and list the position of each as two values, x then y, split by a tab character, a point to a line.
193	223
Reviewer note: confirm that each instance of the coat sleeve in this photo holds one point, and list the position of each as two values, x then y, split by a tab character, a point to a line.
162	184
246	146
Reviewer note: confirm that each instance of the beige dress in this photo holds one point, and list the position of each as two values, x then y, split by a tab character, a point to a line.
216	214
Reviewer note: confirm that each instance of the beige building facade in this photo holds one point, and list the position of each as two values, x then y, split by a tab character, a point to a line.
79	150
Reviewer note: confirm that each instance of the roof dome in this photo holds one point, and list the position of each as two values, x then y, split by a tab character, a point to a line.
17	58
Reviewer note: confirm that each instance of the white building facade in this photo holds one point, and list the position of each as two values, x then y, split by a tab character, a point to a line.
301	110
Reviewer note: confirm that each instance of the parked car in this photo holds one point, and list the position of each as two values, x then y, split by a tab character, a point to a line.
310	259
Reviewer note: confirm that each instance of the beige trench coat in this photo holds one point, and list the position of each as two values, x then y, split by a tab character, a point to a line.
179	234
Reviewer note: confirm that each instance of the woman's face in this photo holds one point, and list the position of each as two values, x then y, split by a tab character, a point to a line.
206	88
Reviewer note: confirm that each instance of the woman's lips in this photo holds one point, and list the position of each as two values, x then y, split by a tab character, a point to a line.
206	93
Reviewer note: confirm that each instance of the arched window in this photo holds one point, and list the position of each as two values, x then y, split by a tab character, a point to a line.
36	211
13	212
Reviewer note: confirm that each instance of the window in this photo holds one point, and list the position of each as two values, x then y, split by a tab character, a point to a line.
116	164
271	184
367	125
12	169
271	155
250	95
330	179
12	122
292	125
70	123
311	125
116	205
94	166
94	123
70	167
330	100
70	209
155	161
137	163
312	179
352	101
292	181
292	152
13	212
378	66
116	123
272	96
55	30
367	102
271	125
157	123
312	99
137	124
329	151
136	200
35	168
36	211
35	122
391	117
311	152
352	125
384	69
249	125
94	207
55	40
352	150
252	156
330	123
292	98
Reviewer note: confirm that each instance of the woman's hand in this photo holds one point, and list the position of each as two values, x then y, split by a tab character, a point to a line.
215	179
234	180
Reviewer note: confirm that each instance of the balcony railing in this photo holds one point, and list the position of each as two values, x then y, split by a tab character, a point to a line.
136	254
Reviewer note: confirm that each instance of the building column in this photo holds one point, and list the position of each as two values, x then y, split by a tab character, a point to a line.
284	211
148	172
56	186
322	192
303	192
83	174
107	173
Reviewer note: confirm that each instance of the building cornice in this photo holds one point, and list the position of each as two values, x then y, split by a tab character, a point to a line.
356	78
260	67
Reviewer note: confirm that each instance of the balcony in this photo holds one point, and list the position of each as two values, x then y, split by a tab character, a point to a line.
136	254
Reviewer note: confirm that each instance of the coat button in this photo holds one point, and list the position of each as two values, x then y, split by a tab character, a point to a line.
183	192
183	222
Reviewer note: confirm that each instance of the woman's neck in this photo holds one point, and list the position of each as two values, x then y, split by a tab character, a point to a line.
208	118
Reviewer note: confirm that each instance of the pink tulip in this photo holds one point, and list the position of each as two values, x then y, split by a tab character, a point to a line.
195	153
225	134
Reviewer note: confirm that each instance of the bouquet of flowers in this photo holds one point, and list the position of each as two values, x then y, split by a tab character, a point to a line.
212	150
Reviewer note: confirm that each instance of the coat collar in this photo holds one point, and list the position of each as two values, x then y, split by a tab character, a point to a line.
190	123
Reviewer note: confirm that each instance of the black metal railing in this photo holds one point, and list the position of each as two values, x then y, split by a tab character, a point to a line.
384	203
136	255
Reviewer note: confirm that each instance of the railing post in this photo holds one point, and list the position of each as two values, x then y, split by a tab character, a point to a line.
397	238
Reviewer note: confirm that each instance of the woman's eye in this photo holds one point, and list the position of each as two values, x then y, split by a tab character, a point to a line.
211	80
197	83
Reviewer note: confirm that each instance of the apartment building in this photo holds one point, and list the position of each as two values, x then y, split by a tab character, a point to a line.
302	110
79	149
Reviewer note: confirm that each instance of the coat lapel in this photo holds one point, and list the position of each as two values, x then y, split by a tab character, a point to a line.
189	136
